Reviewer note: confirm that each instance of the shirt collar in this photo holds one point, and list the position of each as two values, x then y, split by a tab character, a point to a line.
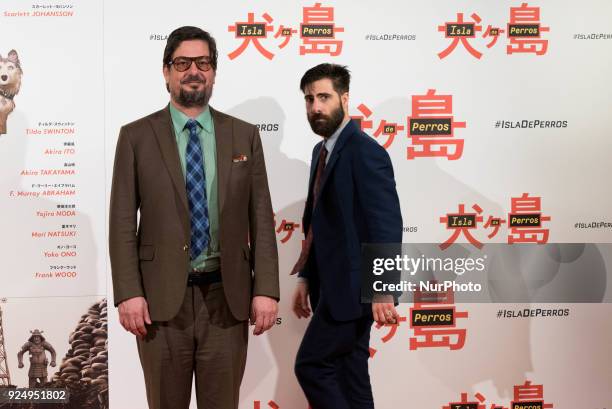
179	119
331	141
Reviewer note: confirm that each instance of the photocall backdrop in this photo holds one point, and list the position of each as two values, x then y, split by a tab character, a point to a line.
489	110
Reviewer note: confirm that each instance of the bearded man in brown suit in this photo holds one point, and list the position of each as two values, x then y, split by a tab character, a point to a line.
201	259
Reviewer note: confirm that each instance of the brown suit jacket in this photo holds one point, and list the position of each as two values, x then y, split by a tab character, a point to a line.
150	254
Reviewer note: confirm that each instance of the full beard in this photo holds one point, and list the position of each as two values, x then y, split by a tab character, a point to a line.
324	125
192	98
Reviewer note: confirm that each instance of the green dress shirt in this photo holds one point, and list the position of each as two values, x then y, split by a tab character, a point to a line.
210	258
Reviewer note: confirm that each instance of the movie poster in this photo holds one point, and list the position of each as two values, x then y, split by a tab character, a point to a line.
53	324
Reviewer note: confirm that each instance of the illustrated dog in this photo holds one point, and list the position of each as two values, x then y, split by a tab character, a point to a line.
10	82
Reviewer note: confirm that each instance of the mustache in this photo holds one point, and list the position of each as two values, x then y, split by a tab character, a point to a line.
316	116
193	78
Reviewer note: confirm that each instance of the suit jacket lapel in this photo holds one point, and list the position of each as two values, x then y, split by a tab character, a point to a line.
224	141
313	167
314	164
164	132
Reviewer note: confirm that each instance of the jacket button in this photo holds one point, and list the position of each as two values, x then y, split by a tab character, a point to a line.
185	247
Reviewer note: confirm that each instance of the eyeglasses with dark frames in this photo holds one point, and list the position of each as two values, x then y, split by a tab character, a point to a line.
182	64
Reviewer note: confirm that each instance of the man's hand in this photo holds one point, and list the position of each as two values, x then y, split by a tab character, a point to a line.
133	315
383	310
263	313
301	306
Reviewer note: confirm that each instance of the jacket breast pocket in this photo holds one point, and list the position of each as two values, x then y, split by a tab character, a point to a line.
241	167
240	178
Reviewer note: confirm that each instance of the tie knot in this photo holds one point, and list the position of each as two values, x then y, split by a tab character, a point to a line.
192	125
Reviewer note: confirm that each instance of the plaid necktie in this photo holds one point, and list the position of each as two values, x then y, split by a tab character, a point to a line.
301	263
196	191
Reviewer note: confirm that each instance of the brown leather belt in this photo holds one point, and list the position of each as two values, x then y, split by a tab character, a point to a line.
203	278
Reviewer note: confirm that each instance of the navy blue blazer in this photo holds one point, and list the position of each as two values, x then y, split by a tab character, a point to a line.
357	203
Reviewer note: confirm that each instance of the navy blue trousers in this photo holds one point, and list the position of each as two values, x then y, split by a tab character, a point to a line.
332	361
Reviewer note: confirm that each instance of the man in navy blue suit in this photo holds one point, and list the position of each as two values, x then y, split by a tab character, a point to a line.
352	200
